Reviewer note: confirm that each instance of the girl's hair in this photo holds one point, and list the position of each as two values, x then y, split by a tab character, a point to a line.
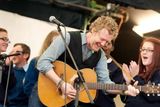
48	40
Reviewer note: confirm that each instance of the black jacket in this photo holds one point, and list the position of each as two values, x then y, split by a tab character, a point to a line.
142	99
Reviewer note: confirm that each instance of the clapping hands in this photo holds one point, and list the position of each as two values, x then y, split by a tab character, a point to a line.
132	70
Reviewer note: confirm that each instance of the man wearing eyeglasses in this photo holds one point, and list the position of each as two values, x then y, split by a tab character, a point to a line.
3	40
4	69
16	96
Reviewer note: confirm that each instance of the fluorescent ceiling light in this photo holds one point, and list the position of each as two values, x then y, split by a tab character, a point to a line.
146	28
147	24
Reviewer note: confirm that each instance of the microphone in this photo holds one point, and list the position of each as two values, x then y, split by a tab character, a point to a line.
4	56
54	20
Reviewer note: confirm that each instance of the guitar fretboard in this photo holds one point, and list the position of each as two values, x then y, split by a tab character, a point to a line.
101	86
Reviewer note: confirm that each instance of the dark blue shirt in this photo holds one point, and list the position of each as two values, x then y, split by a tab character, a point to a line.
16	95
31	77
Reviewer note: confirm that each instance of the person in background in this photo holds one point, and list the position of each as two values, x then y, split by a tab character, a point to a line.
115	74
4	69
147	70
16	96
87	53
31	77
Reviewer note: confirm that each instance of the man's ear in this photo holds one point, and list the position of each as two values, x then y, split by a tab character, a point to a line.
112	48
26	55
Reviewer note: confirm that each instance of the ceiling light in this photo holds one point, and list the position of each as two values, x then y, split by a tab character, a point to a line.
147	24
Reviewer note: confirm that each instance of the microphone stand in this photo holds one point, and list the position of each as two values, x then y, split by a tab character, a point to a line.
1	68
80	76
2	63
7	84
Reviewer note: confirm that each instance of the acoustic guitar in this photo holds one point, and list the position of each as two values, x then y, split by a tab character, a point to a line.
52	97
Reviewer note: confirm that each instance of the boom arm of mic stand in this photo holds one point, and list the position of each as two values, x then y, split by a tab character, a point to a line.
78	71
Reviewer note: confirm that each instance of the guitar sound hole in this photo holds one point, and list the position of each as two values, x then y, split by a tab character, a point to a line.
77	84
59	91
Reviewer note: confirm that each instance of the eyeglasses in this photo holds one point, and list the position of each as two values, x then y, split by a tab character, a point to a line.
147	50
107	44
21	52
5	39
17	52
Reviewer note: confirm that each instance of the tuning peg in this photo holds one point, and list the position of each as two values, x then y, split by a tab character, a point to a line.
158	89
159	85
149	83
153	84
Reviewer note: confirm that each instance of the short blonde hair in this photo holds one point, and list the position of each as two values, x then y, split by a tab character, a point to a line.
105	22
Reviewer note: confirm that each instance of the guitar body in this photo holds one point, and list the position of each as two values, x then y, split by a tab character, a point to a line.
49	94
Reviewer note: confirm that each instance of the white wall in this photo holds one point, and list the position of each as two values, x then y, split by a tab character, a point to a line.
26	30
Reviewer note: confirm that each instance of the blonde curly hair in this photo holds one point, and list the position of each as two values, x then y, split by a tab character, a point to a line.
107	23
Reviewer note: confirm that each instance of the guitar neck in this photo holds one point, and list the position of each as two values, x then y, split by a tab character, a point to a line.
102	86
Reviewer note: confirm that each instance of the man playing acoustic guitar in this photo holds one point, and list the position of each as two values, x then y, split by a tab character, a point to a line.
87	52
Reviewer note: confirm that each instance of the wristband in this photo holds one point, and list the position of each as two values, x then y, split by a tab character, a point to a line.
60	83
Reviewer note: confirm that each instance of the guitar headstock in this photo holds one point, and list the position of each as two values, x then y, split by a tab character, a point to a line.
151	89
